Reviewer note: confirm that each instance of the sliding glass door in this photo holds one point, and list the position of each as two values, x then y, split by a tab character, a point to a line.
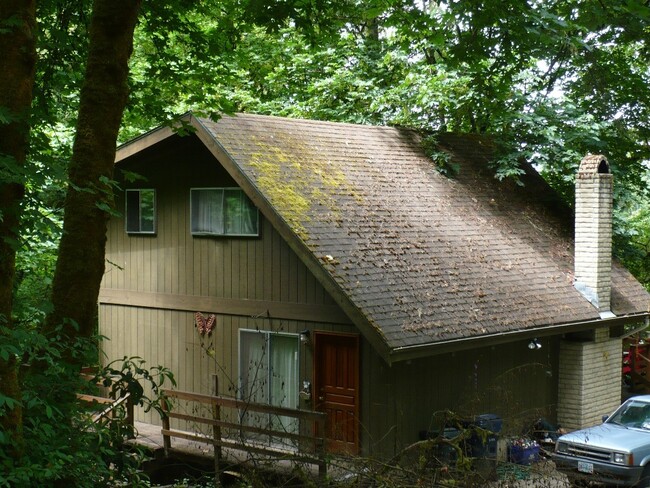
268	374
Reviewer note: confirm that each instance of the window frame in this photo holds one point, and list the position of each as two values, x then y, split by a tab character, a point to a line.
268	353
223	190
268	382
154	211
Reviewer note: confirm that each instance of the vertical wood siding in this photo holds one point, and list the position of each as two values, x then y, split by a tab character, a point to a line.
510	380
169	338
174	262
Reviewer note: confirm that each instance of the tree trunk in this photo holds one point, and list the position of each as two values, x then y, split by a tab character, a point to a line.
17	68
89	198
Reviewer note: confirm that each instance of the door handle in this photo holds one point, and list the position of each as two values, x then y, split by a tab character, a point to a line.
321	398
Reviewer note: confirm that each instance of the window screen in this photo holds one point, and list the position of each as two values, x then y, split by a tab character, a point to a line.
223	211
141	211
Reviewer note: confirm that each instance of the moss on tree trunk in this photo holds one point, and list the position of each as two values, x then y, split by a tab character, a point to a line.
80	264
17	68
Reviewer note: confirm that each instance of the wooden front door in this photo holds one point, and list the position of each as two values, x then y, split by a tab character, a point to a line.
336	387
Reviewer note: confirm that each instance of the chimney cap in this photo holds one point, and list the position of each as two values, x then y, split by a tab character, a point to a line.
593	164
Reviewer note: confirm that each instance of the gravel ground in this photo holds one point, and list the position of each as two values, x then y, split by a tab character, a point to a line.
540	475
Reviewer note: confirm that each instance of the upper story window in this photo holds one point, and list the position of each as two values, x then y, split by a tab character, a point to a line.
223	212
141	211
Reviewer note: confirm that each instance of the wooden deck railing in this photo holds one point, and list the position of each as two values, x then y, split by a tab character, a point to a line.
310	448
112	404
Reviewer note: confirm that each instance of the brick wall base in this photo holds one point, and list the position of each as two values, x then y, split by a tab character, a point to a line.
589	383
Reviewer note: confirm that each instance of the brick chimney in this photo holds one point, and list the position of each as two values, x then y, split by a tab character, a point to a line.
593	232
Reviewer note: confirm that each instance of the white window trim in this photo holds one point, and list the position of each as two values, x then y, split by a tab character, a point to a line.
267	335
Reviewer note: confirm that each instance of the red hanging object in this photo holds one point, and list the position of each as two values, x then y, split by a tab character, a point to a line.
199	319
204	326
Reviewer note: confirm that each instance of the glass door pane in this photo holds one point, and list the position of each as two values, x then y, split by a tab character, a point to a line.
284	379
254	375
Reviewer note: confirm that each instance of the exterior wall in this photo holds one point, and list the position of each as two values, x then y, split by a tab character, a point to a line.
173	262
510	380
154	284
590	380
169	338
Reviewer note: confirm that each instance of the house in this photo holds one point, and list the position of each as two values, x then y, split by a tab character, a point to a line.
340	271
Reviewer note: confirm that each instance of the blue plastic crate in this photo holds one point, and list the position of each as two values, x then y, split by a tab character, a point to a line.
523	455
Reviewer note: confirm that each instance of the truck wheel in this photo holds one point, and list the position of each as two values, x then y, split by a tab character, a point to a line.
644	482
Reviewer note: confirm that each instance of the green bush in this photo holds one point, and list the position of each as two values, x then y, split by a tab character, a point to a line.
63	446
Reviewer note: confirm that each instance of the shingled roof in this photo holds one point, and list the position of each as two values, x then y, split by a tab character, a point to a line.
415	258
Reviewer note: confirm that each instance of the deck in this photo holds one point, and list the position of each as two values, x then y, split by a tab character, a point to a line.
150	437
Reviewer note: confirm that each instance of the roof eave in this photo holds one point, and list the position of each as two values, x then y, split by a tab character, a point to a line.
430	349
149	139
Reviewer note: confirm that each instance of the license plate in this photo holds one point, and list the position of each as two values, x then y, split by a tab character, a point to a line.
584	467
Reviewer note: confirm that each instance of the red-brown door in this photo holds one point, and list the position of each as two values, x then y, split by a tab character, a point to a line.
336	387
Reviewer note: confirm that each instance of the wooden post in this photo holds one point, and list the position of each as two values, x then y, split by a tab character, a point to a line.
167	441
216	433
129	411
321	446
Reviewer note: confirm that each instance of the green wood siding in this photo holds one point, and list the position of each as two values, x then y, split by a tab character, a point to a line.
510	380
153	284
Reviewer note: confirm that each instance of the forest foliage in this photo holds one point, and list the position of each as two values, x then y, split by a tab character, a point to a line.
549	80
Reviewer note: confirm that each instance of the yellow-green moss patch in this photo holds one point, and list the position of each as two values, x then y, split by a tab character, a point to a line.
295	177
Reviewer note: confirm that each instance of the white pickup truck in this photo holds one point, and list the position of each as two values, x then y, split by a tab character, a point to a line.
617	452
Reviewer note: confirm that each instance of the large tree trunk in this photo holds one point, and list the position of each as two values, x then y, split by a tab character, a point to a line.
80	264
17	68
